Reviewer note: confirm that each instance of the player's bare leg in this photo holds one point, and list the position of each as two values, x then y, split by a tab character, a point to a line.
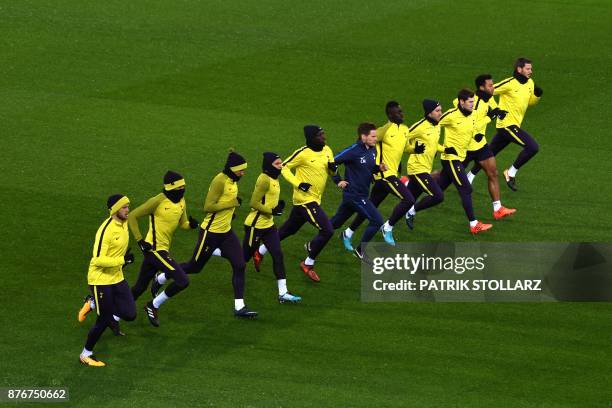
490	167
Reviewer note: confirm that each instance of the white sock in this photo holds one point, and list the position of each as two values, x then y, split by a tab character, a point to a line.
282	286
309	261
86	353
263	249
411	211
512	171
473	223
159	299
92	304
216	252
470	177
238	304
162	278
387	227
117	318
348	232
496	205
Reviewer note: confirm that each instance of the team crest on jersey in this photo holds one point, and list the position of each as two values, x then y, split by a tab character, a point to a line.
362	160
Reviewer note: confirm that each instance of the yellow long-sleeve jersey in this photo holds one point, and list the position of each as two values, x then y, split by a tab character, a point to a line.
482	104
459	131
110	246
164	217
264	199
310	167
515	98
390	145
427	133
220	204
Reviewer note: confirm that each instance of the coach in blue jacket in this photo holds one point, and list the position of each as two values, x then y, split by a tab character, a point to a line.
359	162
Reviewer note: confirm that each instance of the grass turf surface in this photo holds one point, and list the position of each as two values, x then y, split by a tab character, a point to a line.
99	98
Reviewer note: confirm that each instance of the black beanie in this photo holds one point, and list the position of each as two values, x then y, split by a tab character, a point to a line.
171	176
310	132
267	167
429	105
113	199
233	160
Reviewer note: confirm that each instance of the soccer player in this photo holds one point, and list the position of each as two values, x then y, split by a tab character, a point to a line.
516	94
359	162
216	229
259	224
108	286
459	125
312	164
166	211
479	150
425	133
392	138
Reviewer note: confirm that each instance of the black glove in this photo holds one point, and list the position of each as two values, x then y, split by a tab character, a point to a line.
419	148
478	137
333	167
239	201
502	114
305	186
193	223
278	210
144	246
450	150
128	258
492	113
537	91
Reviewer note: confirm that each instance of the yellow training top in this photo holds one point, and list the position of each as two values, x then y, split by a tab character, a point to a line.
110	246
428	134
220	203
310	167
390	145
264	199
515	98
164	217
481	107
459	131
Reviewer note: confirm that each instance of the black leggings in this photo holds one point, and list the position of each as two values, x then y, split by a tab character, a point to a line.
110	300
160	261
230	248
269	237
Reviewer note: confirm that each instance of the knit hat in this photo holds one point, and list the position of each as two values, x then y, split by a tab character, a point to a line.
429	105
235	162
115	202
173	180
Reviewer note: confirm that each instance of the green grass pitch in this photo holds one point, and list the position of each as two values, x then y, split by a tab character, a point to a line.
104	97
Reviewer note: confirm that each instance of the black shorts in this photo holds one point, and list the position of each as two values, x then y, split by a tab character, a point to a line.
479	155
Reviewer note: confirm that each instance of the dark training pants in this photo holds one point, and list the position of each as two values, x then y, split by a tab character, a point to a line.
160	261
314	214
364	208
382	188
230	248
253	237
453	172
513	134
110	300
424	183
